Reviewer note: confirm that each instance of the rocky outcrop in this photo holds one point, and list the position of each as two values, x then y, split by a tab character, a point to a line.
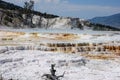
57	23
15	17
10	18
16	20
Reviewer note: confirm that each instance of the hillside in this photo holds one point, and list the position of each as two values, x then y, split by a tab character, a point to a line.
113	20
14	16
10	6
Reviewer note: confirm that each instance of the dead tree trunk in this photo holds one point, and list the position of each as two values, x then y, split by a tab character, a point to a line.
52	76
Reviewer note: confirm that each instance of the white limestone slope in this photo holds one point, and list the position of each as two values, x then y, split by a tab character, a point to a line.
26	63
57	23
31	65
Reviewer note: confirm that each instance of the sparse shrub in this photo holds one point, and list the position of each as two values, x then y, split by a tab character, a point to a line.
8	19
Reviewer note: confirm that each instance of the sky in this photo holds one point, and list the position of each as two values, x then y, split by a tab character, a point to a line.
85	9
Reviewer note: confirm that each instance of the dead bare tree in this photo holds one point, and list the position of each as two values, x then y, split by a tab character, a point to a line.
52	76
29	7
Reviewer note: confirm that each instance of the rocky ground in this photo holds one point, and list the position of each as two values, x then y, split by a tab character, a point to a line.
32	64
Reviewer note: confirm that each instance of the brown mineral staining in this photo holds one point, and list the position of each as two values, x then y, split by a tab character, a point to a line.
100	56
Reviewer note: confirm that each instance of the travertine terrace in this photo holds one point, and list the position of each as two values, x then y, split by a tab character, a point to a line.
82	43
84	55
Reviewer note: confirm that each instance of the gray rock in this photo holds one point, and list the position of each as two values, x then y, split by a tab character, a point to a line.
20	48
3	49
5	61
